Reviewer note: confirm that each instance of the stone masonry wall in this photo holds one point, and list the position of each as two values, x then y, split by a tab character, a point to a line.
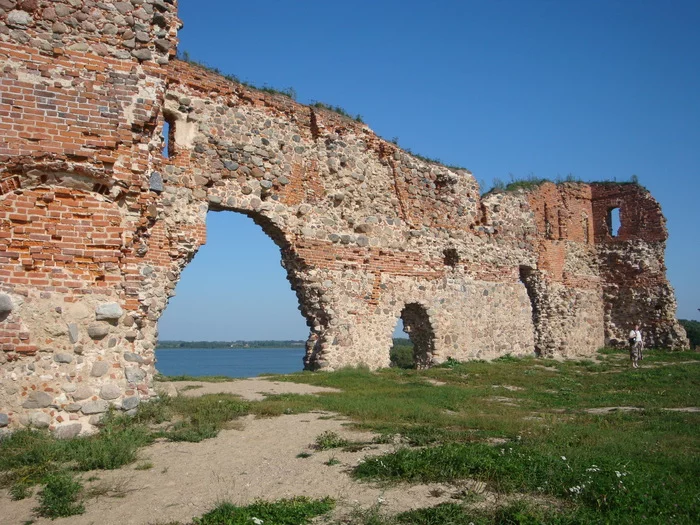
97	222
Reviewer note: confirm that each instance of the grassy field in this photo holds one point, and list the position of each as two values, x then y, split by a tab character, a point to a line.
561	442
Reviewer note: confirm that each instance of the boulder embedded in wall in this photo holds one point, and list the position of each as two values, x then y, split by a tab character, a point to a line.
97	330
95	407
110	391
155	182
73	333
81	393
134	375
130	403
38	400
5	304
63	358
4	420
132	357
99	368
19	19
68	431
108	312
40	420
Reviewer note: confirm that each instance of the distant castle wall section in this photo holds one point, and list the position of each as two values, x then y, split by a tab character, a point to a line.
98	219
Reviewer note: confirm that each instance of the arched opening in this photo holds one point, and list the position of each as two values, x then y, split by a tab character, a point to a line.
416	324
614	221
530	280
234	312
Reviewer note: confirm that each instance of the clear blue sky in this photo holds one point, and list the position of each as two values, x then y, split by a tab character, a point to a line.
601	89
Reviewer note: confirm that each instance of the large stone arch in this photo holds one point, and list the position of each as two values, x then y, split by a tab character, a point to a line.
96	224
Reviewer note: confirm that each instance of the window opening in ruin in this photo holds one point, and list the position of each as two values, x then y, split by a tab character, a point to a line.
586	231
530	280
614	222
168	136
417	351
236	294
451	257
102	189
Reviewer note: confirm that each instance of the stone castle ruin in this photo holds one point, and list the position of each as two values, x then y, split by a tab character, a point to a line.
97	223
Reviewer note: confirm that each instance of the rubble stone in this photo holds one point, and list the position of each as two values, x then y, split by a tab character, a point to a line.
68	431
109	312
38	400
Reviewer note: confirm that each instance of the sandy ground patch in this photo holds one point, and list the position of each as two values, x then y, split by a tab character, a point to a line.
253	389
258	461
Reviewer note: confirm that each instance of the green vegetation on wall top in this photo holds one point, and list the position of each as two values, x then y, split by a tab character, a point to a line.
292	94
532	182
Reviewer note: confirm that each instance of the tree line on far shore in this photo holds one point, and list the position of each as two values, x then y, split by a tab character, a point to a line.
291	343
692	328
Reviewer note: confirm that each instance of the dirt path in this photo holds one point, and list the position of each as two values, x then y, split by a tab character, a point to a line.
257	461
253	389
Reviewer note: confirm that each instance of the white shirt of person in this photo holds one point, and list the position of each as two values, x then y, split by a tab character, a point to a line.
636	335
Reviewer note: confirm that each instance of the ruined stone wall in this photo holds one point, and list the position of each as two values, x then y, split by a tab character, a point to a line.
96	223
632	267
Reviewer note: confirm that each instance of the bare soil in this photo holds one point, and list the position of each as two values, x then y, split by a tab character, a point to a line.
174	482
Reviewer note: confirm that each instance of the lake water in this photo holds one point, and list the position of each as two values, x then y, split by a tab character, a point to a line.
231	362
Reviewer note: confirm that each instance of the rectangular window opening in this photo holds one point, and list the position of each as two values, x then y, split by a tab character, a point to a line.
614	222
168	137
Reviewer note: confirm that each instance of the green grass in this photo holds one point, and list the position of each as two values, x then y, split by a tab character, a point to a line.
553	461
294	511
539	407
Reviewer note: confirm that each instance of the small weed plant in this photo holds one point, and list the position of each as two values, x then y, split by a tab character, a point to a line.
60	496
329	439
294	511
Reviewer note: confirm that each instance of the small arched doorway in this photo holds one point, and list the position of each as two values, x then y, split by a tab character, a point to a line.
416	323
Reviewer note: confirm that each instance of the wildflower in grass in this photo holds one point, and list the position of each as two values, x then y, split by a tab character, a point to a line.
578	489
563	458
257	521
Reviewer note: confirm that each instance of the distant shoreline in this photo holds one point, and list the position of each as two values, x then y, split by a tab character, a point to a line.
287	343
183	345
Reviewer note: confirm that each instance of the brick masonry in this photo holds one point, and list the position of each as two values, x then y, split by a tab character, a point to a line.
96	223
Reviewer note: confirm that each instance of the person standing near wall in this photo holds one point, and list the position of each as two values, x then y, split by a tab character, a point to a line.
636	345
